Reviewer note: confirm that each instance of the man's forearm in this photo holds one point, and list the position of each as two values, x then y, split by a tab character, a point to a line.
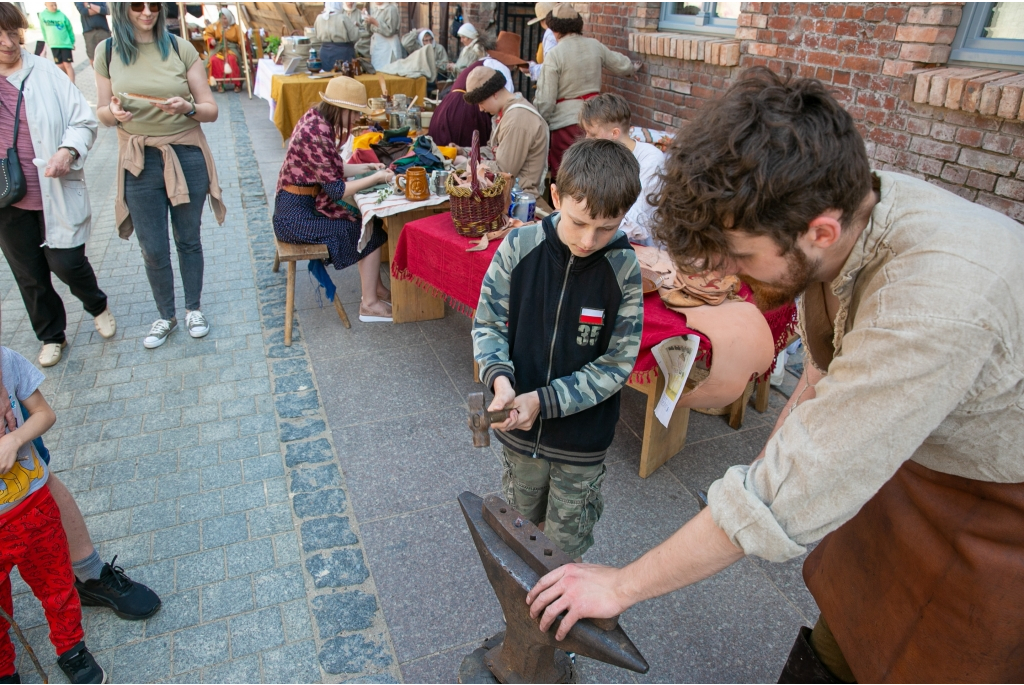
698	550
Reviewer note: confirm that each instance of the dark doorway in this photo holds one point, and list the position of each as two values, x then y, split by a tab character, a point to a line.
512	17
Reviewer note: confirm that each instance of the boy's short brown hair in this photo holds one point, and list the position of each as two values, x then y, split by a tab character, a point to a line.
11	18
606	108
602	173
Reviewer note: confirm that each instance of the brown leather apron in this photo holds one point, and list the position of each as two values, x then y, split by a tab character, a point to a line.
926	582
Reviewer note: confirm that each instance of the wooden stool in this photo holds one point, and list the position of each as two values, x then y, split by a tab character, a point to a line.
291	253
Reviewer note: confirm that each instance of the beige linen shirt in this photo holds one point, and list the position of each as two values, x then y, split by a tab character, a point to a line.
520	144
337	27
928	366
571	70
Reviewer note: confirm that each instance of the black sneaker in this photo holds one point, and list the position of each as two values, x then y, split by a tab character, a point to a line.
129	600
79	666
13	678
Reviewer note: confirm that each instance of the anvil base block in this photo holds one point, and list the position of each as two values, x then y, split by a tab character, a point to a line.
485	661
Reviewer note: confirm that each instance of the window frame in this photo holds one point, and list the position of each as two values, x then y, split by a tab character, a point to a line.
705	21
971	48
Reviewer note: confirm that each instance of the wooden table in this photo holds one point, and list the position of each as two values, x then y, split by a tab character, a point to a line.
295	94
409	302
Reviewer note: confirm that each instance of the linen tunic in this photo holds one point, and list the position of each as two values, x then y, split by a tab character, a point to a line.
928	366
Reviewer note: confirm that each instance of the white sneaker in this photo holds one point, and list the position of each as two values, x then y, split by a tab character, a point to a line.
159	332
105	324
51	353
196	324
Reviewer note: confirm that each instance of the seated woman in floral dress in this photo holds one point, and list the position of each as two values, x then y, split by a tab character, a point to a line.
312	181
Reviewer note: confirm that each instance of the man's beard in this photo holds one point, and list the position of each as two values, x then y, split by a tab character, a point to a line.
800	273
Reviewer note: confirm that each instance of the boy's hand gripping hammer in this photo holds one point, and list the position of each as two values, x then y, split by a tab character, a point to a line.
480	419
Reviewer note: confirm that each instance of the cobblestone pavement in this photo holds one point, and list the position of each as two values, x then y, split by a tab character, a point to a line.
205	465
295	507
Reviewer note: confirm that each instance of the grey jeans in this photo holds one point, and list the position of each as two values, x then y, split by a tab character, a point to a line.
146	197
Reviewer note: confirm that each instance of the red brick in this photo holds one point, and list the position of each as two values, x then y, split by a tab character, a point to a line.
909	33
893	139
884	32
875	12
781	23
981	180
918	126
835	10
825	59
972	120
897	15
921	52
1001	144
1007	187
884	153
932	167
969	137
1018	153
935	14
996	164
870	65
954	174
854	11
943	131
931	148
896	68
1013	128
762	49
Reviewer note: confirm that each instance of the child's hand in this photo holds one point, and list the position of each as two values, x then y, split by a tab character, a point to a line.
504	396
9	446
527	408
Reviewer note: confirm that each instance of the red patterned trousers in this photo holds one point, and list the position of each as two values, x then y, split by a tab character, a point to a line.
32	538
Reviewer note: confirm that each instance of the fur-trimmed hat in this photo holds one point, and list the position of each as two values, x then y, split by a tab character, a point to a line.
482	83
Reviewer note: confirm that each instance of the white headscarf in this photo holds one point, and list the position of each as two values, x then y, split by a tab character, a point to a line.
227	13
332	8
498	66
469	31
423	33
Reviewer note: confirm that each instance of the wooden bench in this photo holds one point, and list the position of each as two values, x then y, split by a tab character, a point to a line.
291	253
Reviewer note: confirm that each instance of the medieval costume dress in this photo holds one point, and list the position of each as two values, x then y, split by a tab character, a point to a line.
454	120
312	160
225	49
385	44
570	75
337	29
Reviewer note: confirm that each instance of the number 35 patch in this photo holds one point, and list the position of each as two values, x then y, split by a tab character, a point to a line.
591	321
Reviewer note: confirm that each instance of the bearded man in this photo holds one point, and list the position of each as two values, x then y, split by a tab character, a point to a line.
902	448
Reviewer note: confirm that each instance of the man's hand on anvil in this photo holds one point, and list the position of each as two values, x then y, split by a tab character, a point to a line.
580	590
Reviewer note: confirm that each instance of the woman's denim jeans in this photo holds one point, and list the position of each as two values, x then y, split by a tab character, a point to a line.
146	197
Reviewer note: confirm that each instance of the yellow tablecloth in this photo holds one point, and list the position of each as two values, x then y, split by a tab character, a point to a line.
296	94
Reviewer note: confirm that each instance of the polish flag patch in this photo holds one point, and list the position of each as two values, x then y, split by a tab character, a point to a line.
592	316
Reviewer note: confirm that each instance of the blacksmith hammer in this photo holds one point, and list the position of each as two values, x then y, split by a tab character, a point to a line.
480	419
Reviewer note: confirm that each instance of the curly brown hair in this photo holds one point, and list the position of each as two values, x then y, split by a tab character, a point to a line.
564	26
769	156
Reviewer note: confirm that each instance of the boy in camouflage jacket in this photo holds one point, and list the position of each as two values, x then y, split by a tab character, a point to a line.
556	334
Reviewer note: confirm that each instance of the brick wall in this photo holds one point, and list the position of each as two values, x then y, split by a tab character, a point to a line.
867	53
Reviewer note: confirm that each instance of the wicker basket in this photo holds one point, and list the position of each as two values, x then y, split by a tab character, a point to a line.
475	211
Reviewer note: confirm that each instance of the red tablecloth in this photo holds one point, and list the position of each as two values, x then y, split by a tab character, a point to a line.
432	254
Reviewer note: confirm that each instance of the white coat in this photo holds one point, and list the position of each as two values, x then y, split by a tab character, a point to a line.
58	116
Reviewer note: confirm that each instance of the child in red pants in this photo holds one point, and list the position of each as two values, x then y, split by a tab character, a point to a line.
31	532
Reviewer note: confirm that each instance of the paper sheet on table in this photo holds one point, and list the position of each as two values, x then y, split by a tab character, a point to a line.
675	356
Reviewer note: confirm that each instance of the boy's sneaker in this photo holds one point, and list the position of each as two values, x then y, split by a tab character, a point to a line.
159	332
79	665
13	678
129	600
196	324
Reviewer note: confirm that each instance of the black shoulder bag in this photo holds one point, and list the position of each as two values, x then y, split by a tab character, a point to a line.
14	185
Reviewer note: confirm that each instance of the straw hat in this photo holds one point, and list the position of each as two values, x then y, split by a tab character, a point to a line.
541	9
507	49
347	93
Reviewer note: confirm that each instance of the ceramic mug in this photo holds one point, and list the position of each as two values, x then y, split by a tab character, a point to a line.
414	184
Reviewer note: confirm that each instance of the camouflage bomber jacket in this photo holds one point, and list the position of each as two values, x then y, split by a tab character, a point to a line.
567	327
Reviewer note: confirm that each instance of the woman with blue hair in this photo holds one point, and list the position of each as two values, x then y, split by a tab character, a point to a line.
164	162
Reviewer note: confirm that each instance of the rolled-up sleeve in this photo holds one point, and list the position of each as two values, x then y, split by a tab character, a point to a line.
896	380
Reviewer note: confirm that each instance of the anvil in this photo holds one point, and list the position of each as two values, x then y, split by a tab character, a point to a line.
526	654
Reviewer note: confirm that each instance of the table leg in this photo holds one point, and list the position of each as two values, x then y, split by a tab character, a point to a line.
764	388
738	409
409	302
660	443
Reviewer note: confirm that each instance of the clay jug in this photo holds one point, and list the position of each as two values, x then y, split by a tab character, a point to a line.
414	183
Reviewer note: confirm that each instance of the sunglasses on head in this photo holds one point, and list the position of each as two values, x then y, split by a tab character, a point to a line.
139	6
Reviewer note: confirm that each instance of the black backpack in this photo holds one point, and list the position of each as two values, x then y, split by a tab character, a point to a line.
109	49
